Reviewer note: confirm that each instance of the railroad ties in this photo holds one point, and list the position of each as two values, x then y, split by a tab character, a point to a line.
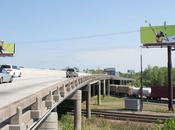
147	118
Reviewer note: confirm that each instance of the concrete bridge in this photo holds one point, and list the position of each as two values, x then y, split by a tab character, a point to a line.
38	111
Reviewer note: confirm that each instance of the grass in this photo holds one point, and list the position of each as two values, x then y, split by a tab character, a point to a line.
66	123
114	103
106	103
161	108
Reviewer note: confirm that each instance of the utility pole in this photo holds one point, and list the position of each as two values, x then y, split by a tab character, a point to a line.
170	86
141	83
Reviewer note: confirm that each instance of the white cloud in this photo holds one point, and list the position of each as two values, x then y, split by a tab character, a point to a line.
120	58
123	58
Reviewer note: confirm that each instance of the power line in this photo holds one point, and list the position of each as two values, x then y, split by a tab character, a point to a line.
79	38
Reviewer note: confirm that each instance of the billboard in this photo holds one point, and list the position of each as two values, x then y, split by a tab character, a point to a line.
157	34
7	49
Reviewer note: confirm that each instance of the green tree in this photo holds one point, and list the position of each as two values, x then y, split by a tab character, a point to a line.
162	76
152	76
147	76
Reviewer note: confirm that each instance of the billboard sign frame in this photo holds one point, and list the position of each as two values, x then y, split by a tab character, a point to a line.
158	35
7	49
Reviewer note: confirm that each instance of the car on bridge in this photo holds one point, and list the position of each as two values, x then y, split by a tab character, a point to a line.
71	73
13	70
5	76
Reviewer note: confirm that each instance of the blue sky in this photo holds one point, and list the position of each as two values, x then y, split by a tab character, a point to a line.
27	22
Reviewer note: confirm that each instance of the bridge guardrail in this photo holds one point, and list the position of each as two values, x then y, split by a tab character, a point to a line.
23	113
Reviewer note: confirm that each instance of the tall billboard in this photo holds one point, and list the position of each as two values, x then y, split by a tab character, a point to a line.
157	34
7	49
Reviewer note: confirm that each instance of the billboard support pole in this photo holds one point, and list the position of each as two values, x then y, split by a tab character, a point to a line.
141	83
170	86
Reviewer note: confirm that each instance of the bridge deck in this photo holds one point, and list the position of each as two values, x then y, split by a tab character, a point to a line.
31	81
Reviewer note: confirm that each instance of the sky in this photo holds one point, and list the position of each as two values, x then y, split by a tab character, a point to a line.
85	34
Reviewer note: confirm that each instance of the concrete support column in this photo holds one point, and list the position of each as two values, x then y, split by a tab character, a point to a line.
36	111
63	90
57	95
73	85
16	121
88	102
93	89
112	81
68	87
77	116
124	82
49	100
120	82
104	88
108	87
51	123
99	93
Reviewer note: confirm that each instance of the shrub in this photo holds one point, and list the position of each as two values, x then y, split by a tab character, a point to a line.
168	125
66	122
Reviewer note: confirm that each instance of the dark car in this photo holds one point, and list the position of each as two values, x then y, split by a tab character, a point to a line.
71	73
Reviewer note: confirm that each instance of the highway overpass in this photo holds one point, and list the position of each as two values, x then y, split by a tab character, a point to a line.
30	102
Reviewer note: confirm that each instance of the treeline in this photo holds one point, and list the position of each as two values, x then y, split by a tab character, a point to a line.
94	71
152	76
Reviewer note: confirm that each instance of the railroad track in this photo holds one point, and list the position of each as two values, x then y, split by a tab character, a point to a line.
162	101
128	116
131	116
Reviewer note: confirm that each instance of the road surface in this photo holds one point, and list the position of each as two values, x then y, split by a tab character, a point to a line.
32	80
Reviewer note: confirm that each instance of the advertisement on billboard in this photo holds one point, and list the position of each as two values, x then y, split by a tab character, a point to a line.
157	34
7	49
